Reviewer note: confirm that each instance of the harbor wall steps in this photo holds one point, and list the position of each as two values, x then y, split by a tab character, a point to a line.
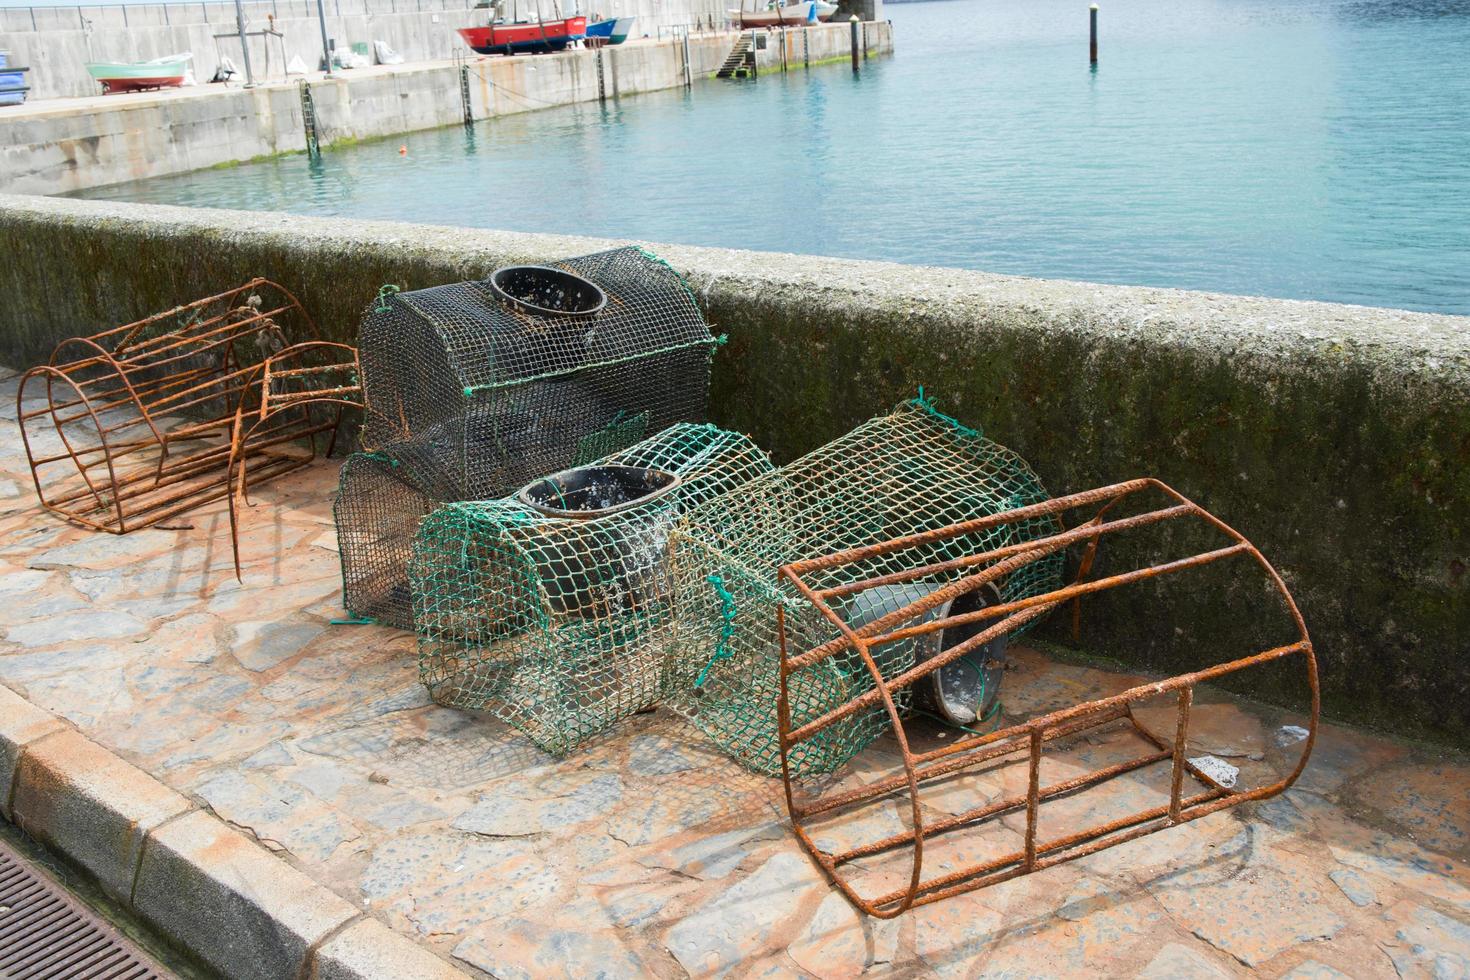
1335	437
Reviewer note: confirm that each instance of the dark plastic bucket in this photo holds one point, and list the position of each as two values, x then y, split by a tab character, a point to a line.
546	291
624	570
596	491
961	692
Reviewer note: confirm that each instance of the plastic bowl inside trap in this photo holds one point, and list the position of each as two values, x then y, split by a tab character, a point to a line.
962	691
547	291
595	491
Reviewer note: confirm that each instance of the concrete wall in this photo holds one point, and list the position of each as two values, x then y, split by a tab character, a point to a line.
58	49
1336	437
50	148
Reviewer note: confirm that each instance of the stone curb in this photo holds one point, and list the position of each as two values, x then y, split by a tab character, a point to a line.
209	888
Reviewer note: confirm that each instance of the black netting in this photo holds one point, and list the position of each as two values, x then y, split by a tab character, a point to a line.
471	393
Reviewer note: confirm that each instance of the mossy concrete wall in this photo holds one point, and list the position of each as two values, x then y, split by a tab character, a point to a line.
1335	437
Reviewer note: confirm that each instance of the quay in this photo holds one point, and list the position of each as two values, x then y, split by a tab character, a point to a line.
53	146
271	787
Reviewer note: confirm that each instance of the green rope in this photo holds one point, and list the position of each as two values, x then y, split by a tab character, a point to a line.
559	495
353	620
384	291
992	713
727	628
994	710
929	409
677	275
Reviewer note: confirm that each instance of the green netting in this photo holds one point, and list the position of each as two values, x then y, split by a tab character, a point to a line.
469	394
913	470
620	432
558	624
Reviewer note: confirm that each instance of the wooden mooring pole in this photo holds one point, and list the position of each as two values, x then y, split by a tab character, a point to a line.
1092	48
853	23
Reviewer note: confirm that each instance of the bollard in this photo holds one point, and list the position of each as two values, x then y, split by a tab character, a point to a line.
853	23
1093	48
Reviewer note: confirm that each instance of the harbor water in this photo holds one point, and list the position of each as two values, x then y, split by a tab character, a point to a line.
1315	149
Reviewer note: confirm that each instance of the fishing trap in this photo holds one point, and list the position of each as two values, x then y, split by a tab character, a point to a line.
475	388
550	608
146	421
903	473
932	826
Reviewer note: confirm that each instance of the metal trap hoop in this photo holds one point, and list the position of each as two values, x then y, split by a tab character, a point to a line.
146	421
970	752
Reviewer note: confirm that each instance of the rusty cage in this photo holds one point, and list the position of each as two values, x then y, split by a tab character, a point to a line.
834	822
143	422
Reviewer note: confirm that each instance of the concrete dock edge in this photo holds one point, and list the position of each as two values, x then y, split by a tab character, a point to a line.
208	888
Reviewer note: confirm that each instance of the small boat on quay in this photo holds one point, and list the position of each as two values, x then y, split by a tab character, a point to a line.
790	15
165	72
519	38
13	87
613	31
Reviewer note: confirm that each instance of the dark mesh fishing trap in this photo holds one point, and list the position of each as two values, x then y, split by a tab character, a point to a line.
474	388
550	608
911	471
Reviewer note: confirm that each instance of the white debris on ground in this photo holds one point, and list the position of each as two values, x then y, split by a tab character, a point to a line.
1217	769
1290	735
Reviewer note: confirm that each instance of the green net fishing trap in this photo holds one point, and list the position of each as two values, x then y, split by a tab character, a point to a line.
903	473
474	388
550	608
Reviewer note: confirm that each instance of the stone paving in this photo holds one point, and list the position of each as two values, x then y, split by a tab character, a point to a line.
650	853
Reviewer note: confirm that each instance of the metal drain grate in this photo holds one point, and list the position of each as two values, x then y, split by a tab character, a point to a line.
46	933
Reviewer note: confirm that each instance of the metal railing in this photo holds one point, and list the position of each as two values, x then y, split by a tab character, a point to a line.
83	16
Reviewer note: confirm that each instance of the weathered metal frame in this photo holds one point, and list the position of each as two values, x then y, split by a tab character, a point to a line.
246	422
1029	736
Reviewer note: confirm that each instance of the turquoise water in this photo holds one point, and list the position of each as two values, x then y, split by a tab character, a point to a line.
1300	148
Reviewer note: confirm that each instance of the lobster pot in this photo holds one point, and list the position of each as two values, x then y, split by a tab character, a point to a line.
383	497
143	422
475	388
904	473
550	607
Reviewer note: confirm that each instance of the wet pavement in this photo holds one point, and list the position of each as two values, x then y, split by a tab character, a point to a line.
650	852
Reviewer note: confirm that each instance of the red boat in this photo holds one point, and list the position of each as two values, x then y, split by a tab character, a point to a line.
551	35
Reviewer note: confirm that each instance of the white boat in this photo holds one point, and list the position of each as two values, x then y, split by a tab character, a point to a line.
165	72
791	15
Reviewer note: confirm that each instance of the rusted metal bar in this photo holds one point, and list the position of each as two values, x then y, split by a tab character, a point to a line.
1046	508
1061	595
973	752
1043	793
1088	531
1181	735
185	407
980	748
1033	799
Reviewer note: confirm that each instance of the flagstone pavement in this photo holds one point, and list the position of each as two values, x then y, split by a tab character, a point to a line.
650	853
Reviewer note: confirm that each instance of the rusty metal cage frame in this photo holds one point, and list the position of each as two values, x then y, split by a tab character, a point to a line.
209	416
1024	737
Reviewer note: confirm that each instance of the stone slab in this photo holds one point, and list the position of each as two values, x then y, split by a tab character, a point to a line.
78	798
369	950
242	910
21	723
